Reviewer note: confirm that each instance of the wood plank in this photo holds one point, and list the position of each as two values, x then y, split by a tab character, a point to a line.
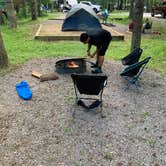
36	74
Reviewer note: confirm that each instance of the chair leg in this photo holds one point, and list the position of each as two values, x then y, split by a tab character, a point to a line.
101	111
76	103
129	83
134	82
136	86
73	114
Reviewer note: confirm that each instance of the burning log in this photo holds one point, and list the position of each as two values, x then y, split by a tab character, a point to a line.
72	64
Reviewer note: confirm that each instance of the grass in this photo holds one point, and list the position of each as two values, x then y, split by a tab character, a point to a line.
21	47
152	45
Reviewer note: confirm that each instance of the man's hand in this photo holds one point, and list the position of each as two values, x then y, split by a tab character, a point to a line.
90	55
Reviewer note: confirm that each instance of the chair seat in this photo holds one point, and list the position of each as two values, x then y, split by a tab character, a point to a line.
91	86
132	72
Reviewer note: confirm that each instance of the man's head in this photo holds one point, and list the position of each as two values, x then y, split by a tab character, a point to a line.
84	38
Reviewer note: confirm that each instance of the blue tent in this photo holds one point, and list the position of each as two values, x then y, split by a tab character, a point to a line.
81	18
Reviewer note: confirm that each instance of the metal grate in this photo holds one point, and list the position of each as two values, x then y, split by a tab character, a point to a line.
73	65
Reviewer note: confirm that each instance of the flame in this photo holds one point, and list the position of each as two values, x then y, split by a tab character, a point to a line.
72	64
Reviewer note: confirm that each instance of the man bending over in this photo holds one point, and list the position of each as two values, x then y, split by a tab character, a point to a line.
101	39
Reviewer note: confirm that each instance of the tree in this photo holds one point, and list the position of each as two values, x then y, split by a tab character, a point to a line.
131	10
38	8
120	4
105	4
11	14
24	11
34	9
52	6
137	18
3	54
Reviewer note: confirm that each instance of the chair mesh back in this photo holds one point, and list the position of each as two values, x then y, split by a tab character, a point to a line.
134	69
130	72
89	84
133	57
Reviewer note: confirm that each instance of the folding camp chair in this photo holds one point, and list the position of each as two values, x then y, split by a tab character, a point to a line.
89	88
133	57
132	72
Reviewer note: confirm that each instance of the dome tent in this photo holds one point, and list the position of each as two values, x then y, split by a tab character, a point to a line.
81	18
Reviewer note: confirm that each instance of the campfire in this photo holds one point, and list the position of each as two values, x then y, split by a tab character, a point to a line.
72	65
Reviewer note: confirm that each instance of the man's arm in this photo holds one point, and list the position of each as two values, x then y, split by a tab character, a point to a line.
89	47
92	55
88	51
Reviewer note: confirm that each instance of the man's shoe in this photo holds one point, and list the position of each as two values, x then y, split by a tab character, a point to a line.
97	70
94	66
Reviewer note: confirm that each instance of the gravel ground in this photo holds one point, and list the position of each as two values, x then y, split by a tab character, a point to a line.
43	132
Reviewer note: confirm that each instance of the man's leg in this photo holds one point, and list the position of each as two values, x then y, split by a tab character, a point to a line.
98	69
100	56
100	60
96	64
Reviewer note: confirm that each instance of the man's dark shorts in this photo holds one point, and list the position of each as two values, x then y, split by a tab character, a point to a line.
105	45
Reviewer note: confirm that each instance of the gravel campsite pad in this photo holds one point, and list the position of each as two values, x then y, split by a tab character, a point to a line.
42	131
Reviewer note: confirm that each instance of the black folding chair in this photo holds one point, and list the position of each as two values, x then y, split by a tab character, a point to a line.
132	72
133	57
89	88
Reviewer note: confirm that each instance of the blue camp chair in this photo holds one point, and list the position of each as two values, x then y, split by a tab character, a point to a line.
132	72
133	57
89	88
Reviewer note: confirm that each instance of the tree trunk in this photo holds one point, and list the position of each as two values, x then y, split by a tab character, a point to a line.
38	8
137	18
121	4
125	4
52	6
3	17
11	14
105	4
24	11
34	9
131	10
148	9
3	54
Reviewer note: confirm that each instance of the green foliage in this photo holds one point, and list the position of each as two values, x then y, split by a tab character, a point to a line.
45	1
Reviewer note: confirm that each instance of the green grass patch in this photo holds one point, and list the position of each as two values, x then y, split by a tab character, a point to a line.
21	46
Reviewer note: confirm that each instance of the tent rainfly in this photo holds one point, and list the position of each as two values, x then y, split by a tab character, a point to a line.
81	18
